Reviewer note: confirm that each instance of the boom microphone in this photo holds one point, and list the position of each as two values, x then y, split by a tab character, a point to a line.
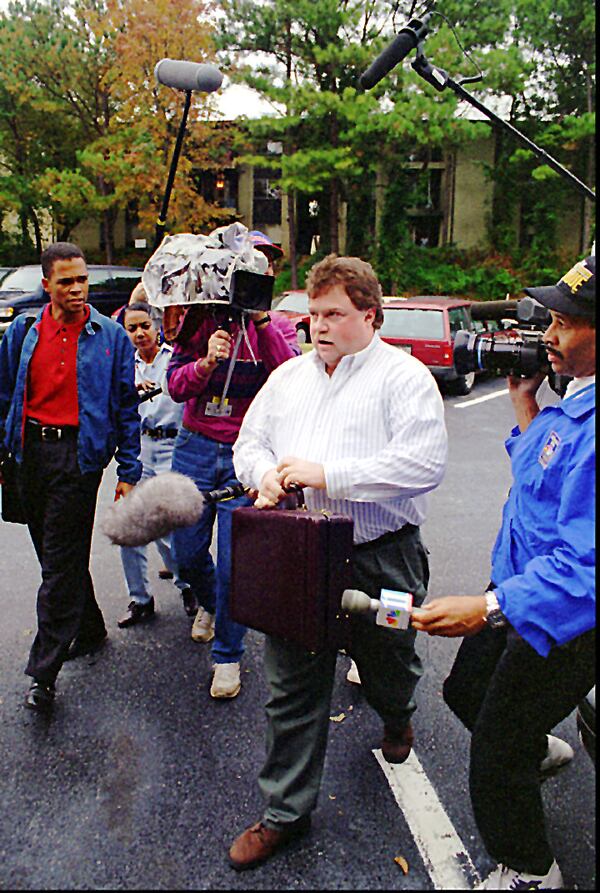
153	509
188	75
158	506
405	41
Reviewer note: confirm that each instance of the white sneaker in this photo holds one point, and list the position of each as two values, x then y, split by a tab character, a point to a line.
203	627
352	674
505	878
558	756
226	681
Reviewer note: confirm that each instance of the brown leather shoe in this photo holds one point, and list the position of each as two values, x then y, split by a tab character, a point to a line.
396	746
258	843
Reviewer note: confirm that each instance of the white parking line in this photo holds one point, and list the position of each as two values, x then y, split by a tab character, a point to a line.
443	852
481	399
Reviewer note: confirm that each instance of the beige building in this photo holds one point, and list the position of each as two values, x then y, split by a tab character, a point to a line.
454	207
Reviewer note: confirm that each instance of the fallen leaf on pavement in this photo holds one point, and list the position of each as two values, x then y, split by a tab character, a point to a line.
401	861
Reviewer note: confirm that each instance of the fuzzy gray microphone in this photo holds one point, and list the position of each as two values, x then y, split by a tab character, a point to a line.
153	509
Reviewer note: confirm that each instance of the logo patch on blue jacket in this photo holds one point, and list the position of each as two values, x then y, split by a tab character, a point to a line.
550	448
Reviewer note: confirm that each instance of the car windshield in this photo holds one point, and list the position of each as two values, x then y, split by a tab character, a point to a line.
23	279
400	322
296	301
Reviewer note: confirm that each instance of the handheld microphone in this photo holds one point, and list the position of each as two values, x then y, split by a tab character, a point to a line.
188	75
148	395
405	41
358	602
393	608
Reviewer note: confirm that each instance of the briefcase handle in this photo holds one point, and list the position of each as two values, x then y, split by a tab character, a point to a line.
297	491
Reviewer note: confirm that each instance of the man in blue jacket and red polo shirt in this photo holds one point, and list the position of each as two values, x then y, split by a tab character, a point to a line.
68	403
532	658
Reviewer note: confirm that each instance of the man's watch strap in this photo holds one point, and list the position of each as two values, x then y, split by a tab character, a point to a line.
494	617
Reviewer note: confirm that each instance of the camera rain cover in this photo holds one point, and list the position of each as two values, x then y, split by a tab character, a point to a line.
196	269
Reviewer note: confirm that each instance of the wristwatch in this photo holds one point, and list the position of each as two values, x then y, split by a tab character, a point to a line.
494	617
263	320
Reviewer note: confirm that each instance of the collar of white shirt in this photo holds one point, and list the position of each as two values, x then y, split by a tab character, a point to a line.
350	361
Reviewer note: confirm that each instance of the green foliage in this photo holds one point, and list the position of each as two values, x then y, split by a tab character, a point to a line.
283	280
84	133
16	250
476	275
540	54
450	271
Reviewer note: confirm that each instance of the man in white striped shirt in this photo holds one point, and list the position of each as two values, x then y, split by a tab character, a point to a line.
359	425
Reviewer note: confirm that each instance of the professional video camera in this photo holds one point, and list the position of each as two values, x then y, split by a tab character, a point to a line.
519	352
222	273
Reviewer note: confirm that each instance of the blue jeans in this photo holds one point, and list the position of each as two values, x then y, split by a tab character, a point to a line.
155	457
210	465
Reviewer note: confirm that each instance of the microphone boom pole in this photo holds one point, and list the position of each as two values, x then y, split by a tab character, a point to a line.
412	36
185	76
439	79
162	220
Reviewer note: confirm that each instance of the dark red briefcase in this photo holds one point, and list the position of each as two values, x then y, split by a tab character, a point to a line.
289	570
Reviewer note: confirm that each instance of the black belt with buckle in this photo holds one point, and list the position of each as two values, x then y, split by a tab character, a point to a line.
160	433
50	432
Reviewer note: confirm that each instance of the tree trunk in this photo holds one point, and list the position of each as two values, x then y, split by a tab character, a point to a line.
107	234
334	222
291	222
37	231
588	208
334	193
107	223
289	149
24	231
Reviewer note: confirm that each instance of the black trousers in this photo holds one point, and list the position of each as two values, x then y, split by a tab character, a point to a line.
510	698
59	504
396	561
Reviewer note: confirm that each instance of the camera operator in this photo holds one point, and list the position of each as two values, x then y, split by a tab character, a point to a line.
529	655
216	398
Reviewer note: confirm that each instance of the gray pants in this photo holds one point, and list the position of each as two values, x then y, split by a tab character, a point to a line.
301	682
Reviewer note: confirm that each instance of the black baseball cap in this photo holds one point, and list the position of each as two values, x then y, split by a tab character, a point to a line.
574	294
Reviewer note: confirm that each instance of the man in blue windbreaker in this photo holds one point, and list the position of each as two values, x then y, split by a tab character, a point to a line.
529	653
68	404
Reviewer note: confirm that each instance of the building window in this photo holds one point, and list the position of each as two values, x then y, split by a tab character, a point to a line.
267	197
219	188
424	205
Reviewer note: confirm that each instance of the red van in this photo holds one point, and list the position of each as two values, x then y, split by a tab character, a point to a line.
425	327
